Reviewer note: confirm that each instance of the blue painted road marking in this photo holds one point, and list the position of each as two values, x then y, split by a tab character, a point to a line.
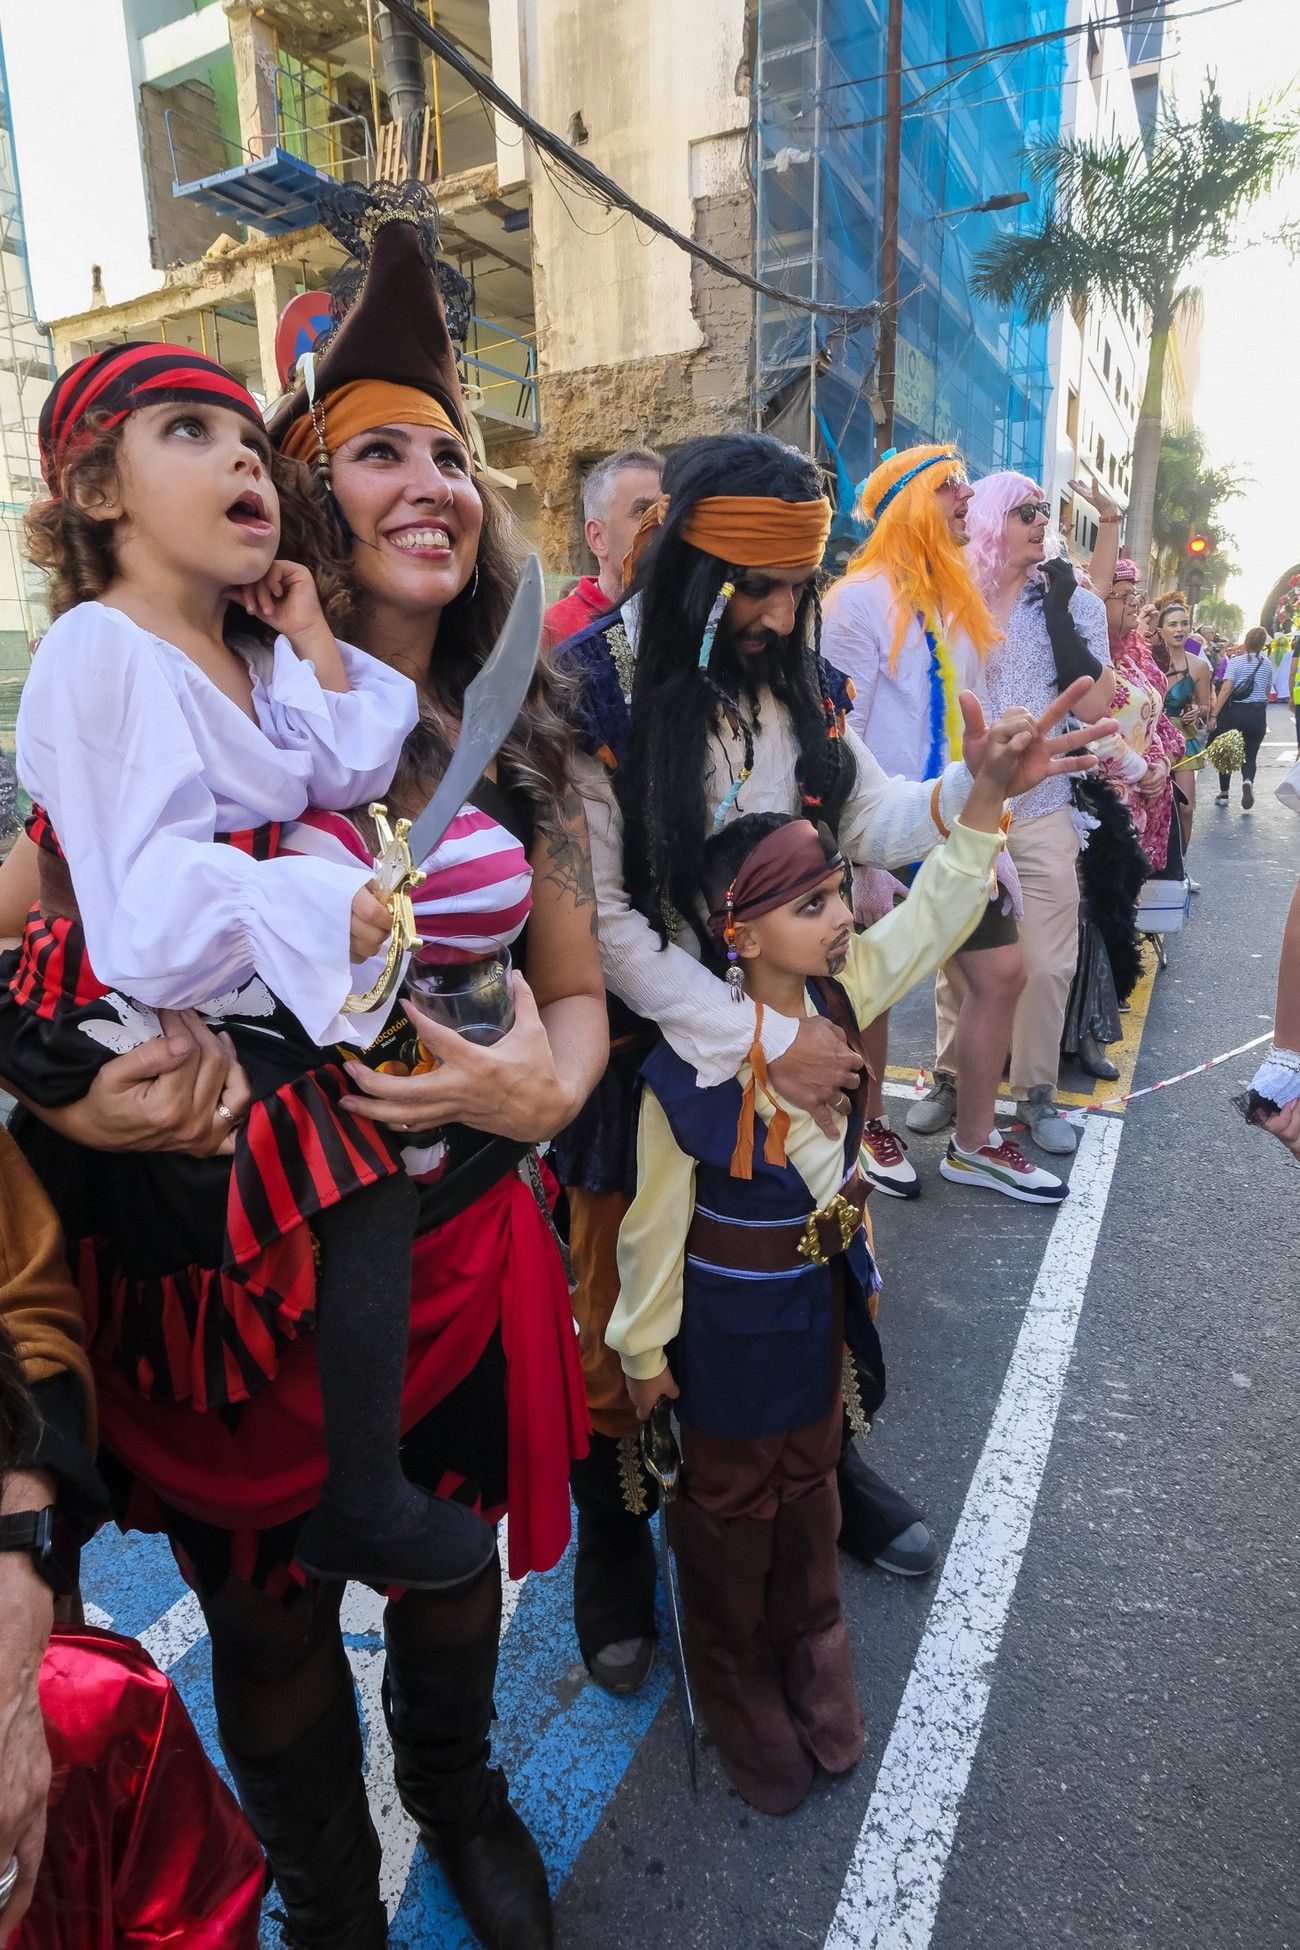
565	1745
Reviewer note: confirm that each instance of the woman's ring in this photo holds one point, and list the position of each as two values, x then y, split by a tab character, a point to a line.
225	1112
8	1880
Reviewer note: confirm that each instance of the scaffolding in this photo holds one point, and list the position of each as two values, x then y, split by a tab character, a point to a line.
964	369
26	369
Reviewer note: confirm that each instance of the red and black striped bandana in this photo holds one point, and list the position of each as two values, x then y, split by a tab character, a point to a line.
114	383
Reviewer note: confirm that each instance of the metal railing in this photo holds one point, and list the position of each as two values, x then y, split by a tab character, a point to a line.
330	145
507	381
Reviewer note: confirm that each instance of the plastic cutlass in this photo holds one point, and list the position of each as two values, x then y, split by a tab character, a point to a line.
493	701
663	1459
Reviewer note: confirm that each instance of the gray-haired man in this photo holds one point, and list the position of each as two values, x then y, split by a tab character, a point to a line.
615	495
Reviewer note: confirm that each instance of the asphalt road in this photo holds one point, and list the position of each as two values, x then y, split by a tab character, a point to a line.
1083	1729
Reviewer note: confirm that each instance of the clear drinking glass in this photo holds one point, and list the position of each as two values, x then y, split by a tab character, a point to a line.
473	998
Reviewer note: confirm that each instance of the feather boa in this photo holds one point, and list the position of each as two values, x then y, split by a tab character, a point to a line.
945	711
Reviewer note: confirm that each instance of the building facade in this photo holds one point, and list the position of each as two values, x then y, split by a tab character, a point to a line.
756	127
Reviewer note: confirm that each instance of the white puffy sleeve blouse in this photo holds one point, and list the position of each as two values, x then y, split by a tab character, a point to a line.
140	761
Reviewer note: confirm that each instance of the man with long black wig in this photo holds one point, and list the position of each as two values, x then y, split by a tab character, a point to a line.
704	696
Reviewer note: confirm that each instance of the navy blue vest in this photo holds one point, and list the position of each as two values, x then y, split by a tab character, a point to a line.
754	1353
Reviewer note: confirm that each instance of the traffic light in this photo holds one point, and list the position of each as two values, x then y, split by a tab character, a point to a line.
1195	583
1198	546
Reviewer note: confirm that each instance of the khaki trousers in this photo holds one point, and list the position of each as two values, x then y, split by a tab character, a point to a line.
1045	852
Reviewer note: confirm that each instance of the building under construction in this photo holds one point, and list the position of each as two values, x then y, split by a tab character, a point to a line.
765	130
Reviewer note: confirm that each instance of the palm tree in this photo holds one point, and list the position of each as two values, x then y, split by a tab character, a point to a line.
1125	227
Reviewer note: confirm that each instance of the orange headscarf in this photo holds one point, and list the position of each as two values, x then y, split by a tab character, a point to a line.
361	404
912	546
750	531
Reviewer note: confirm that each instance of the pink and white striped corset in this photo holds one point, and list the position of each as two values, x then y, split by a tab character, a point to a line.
478	891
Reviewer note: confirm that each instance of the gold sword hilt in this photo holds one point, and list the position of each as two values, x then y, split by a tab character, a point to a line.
397	874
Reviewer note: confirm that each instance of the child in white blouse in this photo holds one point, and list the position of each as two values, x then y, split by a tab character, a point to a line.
147	732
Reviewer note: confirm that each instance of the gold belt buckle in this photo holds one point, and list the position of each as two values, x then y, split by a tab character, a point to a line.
845	1215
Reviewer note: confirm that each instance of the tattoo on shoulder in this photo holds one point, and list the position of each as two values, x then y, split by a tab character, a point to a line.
568	857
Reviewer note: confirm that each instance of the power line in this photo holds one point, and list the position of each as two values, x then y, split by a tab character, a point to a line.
597	183
1149	16
991	54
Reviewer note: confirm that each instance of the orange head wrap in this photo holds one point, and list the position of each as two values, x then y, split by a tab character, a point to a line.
912	546
747	531
361	404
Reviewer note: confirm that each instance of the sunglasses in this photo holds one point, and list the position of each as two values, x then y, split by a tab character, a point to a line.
1029	511
953	482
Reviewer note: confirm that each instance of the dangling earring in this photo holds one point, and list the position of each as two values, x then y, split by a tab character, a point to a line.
317	412
735	973
720	602
470	590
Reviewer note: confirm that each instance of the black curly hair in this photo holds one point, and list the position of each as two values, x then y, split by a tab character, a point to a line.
675	706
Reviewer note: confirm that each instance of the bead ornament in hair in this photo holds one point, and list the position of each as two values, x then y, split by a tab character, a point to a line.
720	602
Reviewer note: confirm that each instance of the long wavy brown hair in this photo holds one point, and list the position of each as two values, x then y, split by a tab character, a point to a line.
535	759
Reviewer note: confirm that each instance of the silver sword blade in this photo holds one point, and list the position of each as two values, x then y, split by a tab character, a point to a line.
673	1605
492	703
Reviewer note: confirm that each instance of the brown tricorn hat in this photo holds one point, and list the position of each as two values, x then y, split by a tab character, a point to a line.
395	328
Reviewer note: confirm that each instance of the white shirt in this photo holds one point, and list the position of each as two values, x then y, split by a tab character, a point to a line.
1021	670
139	760
886	822
891	711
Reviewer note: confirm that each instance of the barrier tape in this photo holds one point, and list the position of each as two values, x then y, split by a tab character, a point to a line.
1109	1103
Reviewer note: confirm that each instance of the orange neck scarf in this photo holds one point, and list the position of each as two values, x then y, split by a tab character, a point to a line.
361	404
746	531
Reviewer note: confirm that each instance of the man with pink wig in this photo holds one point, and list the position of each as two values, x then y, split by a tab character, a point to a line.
1054	633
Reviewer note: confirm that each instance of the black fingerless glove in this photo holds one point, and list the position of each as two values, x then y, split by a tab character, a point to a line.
1070	653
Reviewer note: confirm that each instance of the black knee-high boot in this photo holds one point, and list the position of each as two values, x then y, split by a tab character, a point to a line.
308	1808
614	1571
437	1696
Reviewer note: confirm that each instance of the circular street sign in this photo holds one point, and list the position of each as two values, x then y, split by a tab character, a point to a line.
302	322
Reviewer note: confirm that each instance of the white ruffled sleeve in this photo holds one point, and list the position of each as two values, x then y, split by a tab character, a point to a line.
353	738
171	918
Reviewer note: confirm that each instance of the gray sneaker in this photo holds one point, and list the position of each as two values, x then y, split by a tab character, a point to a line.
936	1110
1044	1124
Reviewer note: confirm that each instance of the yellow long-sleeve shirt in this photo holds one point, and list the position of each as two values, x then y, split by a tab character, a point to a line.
947	899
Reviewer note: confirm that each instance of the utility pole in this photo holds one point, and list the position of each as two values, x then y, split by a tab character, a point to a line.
888	360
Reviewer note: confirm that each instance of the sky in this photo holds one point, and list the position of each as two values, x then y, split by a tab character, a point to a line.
1247	401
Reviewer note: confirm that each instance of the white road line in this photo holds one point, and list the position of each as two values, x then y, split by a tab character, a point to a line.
891	1893
170	1637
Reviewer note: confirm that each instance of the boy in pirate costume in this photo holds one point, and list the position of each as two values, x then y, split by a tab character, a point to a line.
744	1269
701	698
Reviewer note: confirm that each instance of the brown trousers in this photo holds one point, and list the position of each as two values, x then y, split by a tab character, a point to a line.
754	1534
594	1220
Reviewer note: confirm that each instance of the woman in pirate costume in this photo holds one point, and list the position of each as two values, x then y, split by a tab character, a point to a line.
492	1409
744	1270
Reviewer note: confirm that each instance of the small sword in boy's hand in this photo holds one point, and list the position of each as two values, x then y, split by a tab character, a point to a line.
663	1459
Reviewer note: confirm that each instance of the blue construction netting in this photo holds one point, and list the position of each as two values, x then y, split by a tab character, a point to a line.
966	370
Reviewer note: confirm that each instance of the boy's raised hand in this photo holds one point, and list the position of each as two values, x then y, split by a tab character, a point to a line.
1046	751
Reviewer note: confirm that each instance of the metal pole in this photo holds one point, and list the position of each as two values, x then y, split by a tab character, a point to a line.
889	222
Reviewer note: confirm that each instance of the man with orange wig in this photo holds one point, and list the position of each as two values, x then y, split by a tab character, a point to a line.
909	627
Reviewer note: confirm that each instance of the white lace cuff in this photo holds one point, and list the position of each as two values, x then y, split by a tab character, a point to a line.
1278	1076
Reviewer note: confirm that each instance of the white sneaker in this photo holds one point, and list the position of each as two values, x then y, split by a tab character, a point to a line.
883	1159
1001	1166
